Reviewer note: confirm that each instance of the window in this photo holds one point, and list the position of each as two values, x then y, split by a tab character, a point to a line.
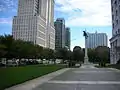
119	8
115	3
119	31
113	17
116	21
113	25
116	12
112	8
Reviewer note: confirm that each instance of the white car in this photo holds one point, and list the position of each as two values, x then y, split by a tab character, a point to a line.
77	65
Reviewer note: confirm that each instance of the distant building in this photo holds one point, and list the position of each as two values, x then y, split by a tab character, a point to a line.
35	22
60	33
115	40
97	39
67	40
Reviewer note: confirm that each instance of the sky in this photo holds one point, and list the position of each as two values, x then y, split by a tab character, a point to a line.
92	15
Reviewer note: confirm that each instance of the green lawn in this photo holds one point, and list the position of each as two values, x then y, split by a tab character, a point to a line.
117	66
15	75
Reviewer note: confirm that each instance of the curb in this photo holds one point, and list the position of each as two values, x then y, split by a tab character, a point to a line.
30	85
114	69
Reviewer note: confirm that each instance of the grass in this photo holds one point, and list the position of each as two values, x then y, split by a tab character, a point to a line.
15	75
117	66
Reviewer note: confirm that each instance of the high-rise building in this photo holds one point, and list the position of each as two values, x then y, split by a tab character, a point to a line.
67	42
35	22
60	33
115	40
97	39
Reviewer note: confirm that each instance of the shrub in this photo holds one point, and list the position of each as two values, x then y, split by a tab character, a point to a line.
118	62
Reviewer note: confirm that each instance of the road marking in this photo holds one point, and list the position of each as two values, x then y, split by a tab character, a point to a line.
84	82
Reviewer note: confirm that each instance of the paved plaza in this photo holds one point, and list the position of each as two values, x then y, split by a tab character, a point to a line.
87	78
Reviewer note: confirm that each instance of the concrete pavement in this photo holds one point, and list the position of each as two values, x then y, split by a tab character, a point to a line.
85	78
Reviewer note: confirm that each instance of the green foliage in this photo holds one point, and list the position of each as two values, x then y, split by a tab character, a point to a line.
15	75
10	48
103	53
100	55
92	55
78	54
61	53
117	66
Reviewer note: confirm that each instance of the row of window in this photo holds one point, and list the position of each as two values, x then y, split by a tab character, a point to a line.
26	39
41	28
116	2
117	32
24	36
41	41
24	32
24	29
115	23
41	35
24	21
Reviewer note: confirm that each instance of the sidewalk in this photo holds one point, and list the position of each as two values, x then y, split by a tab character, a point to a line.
29	85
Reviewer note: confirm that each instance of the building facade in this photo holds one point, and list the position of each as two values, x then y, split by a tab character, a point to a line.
97	39
60	33
35	22
115	40
67	42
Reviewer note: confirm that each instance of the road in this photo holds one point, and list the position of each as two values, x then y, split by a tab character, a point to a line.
84	79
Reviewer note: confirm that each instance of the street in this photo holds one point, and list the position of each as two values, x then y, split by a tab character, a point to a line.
84	79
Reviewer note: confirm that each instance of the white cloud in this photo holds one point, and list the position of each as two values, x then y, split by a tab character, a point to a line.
5	20
86	12
8	5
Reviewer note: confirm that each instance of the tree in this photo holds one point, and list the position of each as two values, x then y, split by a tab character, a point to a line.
103	54
78	54
2	51
48	53
62	53
38	51
92	55
7	42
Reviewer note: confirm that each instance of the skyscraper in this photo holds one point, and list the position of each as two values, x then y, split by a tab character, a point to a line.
35	22
115	40
60	33
97	39
67	39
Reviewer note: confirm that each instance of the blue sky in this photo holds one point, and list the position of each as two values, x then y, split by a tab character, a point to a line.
92	15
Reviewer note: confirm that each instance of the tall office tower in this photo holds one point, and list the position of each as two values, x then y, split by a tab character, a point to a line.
60	33
35	22
97	39
67	42
115	40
